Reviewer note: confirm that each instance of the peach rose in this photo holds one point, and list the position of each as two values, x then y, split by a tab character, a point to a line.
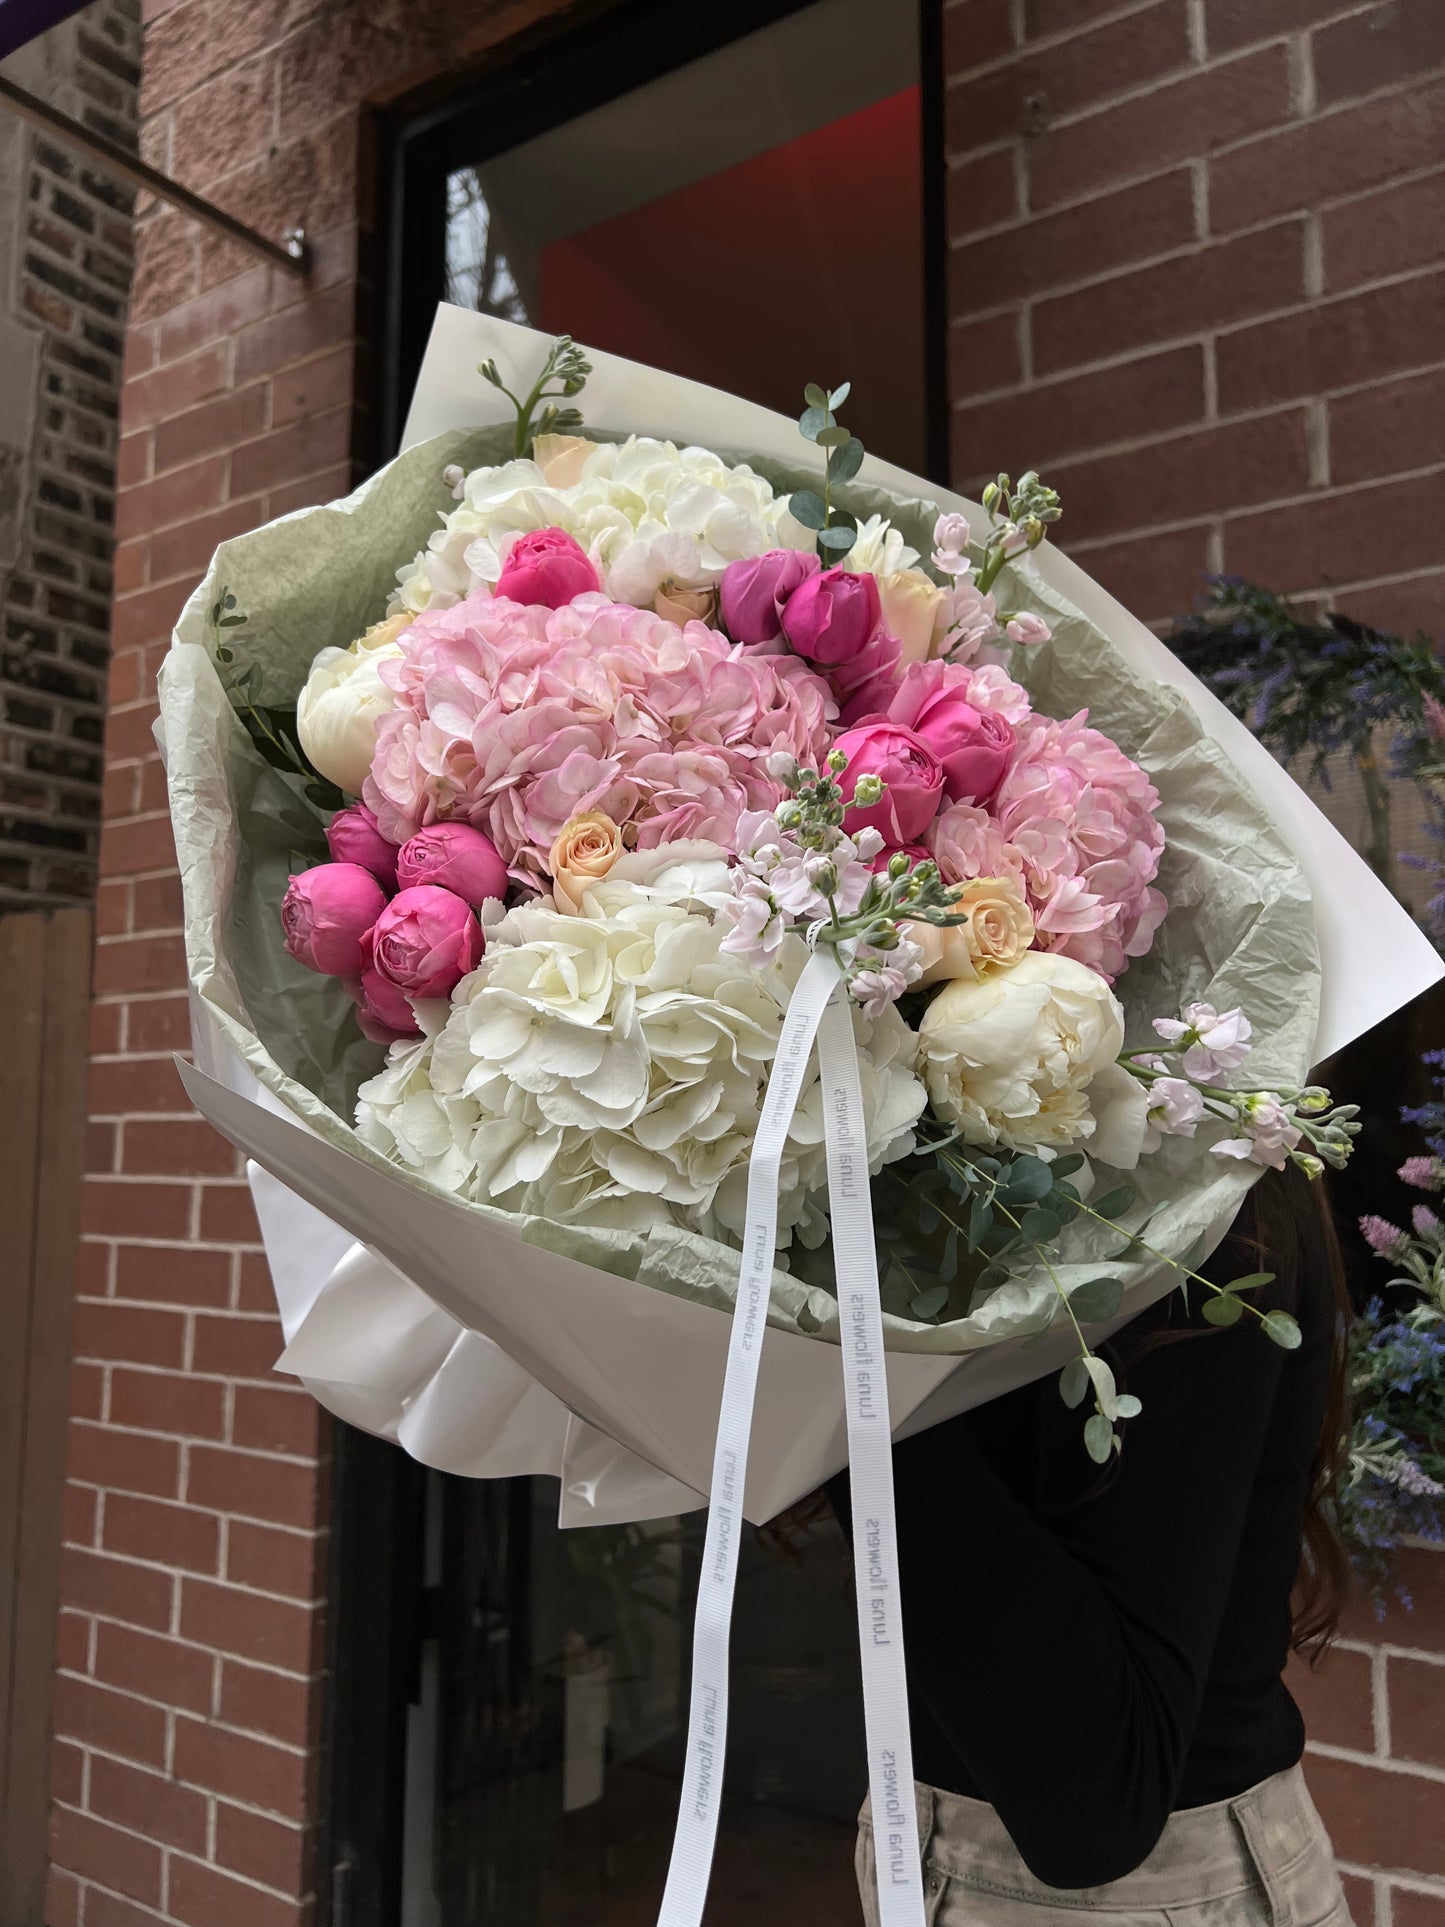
998	932
911	610
683	605
560	458
585	850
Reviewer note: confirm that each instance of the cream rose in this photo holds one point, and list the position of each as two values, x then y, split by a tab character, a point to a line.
343	701
912	606
561	458
1010	1057
998	932
584	852
682	605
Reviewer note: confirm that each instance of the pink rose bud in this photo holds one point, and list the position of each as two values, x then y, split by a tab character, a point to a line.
425	941
752	593
382	1011
973	746
911	773
326	912
833	616
546	567
456	857
353	836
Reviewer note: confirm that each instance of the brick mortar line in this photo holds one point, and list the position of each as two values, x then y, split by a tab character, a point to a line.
1080	116
1192	250
1381	1763
1288	124
306	1461
169	1852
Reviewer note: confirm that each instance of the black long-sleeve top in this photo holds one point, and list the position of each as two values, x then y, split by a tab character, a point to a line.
1088	1655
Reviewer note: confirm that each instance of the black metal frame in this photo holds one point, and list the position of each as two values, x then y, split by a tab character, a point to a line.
541	79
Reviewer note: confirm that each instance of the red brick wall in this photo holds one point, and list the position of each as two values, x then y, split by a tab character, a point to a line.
188	1695
1196	274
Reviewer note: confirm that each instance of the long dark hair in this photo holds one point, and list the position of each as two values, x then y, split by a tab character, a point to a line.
1285	1225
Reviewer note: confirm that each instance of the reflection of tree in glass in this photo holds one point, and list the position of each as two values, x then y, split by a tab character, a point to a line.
479	274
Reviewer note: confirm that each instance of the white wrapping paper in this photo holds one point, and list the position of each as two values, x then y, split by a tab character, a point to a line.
450	1328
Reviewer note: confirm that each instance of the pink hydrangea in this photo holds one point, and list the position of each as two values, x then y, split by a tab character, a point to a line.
516	718
1093	899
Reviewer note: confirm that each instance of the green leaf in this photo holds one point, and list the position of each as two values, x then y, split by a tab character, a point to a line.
929	1303
1099	1439
1114	1202
1026	1180
231	622
834	437
1065	1167
812	422
1222	1311
1103	1381
980	1222
1251	1281
837	540
1039	1227
948	1270
1097	1300
1074	1383
1129	1406
847	461
815	396
808	508
1282	1329
840	395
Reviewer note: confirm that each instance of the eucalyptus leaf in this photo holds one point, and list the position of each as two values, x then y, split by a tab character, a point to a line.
1026	1180
815	396
980	1222
1222	1311
1097	1300
1129	1406
834	437
1074	1383
1282	1329
837	539
1115	1202
1251	1281
812	422
1066	1166
847	461
808	508
1102	1376
1039	1227
928	1304
840	395
1099	1439
948	1269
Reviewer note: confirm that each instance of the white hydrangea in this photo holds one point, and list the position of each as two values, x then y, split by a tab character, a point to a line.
630	493
608	1069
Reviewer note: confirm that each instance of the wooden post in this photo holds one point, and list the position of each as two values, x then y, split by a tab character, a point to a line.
45	969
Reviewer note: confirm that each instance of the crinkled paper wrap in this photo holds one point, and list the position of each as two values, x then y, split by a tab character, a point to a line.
1239	931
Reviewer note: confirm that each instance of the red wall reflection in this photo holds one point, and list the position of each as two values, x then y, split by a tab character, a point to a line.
804	263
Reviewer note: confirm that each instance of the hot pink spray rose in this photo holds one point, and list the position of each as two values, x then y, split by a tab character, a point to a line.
456	857
973	745
753	592
546	567
425	941
352	836
911	773
833	616
382	1012
325	913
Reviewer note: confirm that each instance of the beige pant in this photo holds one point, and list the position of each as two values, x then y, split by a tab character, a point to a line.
1261	1860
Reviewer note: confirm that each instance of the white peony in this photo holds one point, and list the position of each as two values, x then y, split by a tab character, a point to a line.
608	1068
628	496
343	701
1013	1059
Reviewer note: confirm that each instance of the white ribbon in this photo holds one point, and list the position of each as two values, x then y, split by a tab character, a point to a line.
890	1756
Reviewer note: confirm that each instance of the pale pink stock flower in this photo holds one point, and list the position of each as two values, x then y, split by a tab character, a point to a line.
950	545
1380	1235
1176	1109
516	718
1267	1137
970	620
1221	1040
1070	781
1027	630
991	687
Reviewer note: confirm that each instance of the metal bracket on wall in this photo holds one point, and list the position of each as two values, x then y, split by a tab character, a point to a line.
290	252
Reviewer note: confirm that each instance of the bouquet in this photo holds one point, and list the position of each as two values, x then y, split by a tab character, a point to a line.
538	806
